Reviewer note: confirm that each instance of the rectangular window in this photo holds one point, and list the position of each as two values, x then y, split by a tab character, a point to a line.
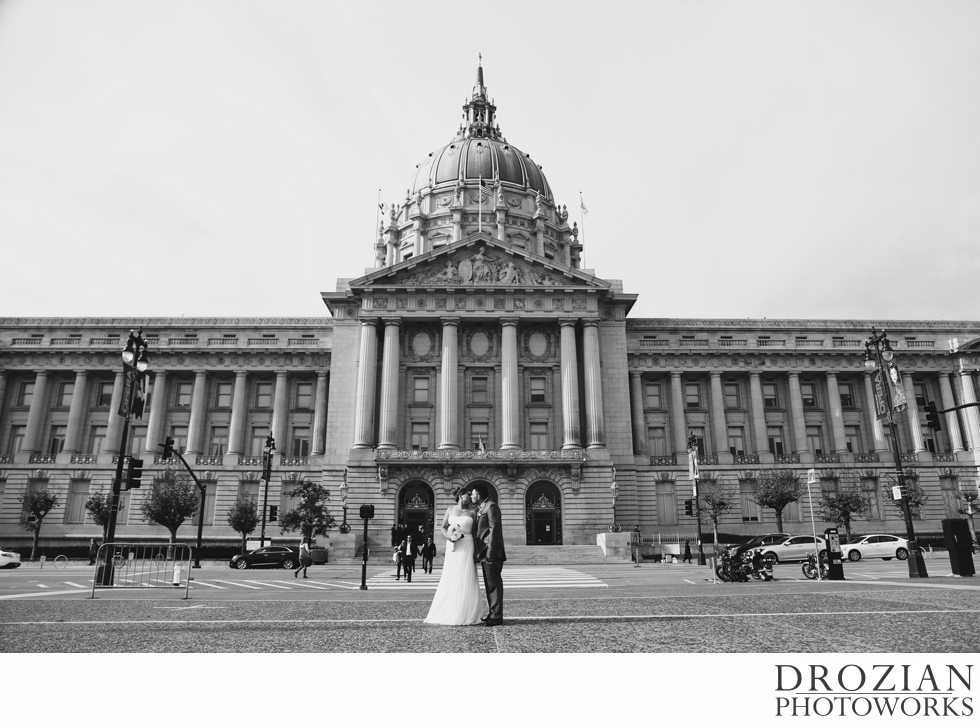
103	398
263	395
65	392
209	496
775	436
97	440
852	438
179	434
869	487
792	512
77	496
420	389
287	502
750	509
481	391
537	389
257	443
250	491
420	436
814	441
301	442
17	434
539	436
929	441
920	394
658	441
666	503
479	435
26	394
732	399
138	441
846	395
948	486
692	395
182	394
809	393
653	399
699	437
736	441
57	444
770	395
219	440
222	395
304	396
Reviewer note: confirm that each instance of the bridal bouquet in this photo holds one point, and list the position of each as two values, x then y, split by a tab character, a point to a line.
454	534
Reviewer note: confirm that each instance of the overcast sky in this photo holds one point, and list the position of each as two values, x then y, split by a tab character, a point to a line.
738	159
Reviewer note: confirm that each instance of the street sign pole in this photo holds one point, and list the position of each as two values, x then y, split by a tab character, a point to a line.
811	477
692	470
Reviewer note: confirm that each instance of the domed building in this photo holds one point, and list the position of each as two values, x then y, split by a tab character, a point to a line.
478	350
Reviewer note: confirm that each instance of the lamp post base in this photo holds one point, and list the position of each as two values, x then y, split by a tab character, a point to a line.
917	564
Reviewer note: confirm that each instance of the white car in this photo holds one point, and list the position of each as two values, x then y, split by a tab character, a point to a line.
9	559
877	546
795	548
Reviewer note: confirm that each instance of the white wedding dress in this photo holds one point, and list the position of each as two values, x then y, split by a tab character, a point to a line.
458	598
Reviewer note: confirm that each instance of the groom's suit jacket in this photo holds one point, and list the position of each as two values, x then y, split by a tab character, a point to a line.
489	537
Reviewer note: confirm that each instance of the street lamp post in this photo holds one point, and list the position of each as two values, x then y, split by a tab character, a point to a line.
270	449
878	353
614	527
344	490
692	449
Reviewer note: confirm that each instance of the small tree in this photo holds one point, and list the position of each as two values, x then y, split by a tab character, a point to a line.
716	498
37	504
243	517
844	504
310	516
913	494
172	501
776	489
99	507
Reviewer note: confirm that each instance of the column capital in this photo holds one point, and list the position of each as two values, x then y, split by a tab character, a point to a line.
241	373
81	372
370	321
41	373
392	321
508	321
830	374
754	374
590	322
568	321
715	373
450	321
793	374
321	374
200	372
281	373
636	373
676	374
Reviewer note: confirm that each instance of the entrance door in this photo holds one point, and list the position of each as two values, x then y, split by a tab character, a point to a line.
416	510
543	514
543	527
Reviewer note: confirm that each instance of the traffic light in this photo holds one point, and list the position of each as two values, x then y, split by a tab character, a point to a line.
689	507
932	417
134	472
168	448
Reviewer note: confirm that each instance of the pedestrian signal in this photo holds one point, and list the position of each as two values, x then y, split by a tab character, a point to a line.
168	448
134	472
689	507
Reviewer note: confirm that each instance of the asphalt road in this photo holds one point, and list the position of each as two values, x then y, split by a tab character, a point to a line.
607	608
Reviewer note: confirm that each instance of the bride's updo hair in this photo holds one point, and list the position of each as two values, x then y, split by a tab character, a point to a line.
456	493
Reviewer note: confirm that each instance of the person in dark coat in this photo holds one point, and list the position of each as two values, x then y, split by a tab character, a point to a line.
93	549
409	550
398	561
428	554
687	551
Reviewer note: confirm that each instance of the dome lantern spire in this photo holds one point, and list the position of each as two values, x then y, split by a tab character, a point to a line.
479	112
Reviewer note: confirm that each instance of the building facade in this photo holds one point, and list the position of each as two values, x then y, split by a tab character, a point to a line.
478	349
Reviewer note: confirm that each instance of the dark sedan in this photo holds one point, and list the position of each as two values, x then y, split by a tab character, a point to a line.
286	557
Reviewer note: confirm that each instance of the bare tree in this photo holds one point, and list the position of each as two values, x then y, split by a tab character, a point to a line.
37	504
716	498
243	517
173	500
775	489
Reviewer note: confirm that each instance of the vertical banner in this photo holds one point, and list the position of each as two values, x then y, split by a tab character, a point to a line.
881	400
899	402
124	400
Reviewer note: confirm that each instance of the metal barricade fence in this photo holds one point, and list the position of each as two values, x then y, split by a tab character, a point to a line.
140	566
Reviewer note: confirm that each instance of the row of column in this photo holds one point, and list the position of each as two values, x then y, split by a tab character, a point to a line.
196	439
969	417
510	414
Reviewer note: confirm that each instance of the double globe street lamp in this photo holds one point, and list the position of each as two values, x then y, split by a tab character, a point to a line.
270	450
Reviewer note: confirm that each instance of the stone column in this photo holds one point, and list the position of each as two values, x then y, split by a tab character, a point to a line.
3	387
877	428
388	423
952	424
912	415
37	414
796	408
839	444
501	226
639	418
758	414
113	434
366	373
419	239
595	427
239	411
280	411
199	403
571	413
158	411
718	414
677	420
968	396
449	393
76	413
320	414
510	385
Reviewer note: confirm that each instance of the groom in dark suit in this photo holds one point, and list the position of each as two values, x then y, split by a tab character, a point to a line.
489	552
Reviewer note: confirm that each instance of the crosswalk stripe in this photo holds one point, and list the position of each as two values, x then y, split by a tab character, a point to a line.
205	584
236	584
73	584
43	586
265	584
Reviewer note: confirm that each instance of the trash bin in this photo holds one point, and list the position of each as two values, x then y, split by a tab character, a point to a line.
959	544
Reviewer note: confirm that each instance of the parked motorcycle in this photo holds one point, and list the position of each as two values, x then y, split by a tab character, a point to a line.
810	570
761	566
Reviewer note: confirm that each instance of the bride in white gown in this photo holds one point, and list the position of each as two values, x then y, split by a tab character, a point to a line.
457	600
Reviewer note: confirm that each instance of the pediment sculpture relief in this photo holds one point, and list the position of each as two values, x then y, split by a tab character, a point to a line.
482	268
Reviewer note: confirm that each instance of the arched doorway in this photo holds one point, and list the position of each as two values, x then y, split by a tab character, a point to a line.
543	514
416	509
489	486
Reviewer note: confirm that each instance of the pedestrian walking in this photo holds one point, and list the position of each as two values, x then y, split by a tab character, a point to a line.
93	549
687	551
305	558
396	558
428	554
408	550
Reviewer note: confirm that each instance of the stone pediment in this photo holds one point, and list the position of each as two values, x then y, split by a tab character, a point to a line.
480	262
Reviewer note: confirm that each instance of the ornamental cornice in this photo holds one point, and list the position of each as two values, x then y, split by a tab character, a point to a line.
864	325
151	322
166	361
461	456
836	361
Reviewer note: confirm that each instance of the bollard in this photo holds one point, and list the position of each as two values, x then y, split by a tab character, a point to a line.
176	573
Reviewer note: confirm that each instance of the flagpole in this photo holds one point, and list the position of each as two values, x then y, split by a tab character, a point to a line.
377	220
479	224
584	213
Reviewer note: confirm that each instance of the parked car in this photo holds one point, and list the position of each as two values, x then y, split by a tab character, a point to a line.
875	546
286	557
794	548
9	559
758	542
